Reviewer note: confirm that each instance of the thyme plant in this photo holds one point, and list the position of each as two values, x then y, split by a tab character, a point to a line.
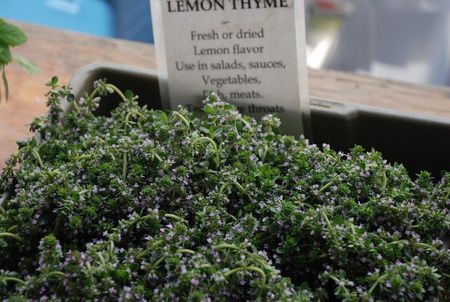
151	205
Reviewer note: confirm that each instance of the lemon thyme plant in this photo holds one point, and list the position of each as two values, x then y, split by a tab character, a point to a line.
150	205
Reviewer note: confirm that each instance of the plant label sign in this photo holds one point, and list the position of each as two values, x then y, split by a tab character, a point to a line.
249	52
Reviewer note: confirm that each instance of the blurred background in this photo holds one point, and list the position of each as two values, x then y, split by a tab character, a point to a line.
125	19
406	40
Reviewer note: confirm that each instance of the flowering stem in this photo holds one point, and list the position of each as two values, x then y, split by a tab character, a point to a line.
156	155
374	286
174	217
205	172
398	242
13	279
149	249
223	246
209	140
383	187
302	203
214	147
56	274
102	260
11	235
110	86
326	186
186	251
226	246
327	221
38	157
238	185
142	218
93	94
158	262
423	245
352	228
124	165
183	118
117	90
252	269
75	105
340	284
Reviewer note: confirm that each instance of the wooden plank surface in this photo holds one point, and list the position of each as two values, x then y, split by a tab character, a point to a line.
61	53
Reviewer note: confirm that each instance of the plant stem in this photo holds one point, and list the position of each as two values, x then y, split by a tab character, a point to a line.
5	83
338	282
327	221
117	90
186	251
56	274
379	280
158	262
174	217
251	269
184	119
36	155
383	187
11	235
124	165
111	86
326	186
397	242
226	246
13	279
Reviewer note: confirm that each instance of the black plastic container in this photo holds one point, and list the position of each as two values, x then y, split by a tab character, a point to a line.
419	142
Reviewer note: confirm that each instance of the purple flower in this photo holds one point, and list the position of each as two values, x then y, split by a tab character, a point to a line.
195	282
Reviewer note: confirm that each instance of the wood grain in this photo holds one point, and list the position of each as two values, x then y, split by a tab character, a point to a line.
61	53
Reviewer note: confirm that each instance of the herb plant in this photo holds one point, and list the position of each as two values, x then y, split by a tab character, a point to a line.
151	205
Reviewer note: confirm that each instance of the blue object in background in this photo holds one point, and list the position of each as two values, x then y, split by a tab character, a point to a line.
90	16
133	20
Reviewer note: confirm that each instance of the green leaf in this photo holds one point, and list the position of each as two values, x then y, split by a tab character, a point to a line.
53	81
5	55
3	243
129	94
11	35
280	250
26	64
338	220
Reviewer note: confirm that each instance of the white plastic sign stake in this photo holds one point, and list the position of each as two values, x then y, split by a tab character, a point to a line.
250	52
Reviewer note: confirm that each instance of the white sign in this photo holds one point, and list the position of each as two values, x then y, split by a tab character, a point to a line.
250	52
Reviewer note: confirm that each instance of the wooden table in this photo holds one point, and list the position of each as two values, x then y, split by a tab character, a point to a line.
61	53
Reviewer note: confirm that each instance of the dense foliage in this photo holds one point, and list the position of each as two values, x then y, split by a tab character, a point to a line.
156	205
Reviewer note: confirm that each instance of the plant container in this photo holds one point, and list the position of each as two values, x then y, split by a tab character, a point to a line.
419	142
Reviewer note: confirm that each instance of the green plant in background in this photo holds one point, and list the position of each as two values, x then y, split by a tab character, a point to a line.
11	36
